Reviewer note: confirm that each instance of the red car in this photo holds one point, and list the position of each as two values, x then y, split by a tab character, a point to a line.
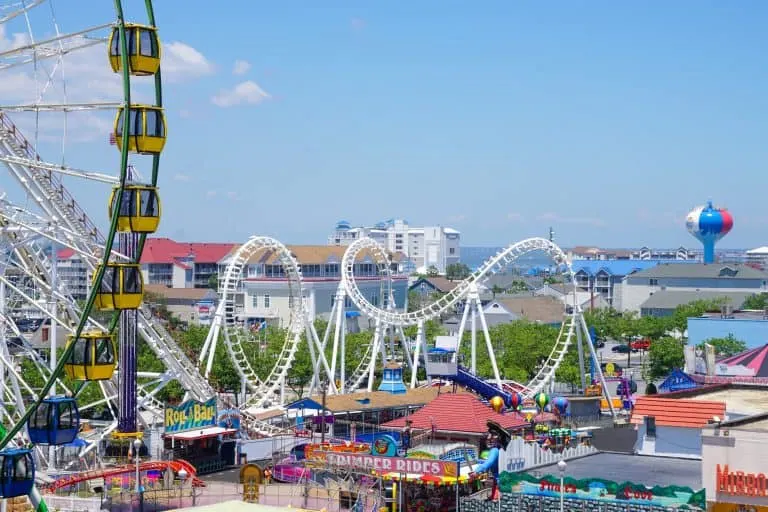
640	344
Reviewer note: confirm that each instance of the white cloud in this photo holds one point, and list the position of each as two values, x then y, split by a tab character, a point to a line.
210	194
244	93
180	177
88	79
181	62
241	67
554	217
457	218
515	217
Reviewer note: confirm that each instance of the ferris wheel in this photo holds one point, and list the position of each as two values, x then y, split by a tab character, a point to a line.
41	113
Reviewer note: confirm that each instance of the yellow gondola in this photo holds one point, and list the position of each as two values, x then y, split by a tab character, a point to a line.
121	288
93	358
143	49
139	211
146	133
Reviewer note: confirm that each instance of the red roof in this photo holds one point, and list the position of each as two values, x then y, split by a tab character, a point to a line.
165	250
675	412
755	359
458	412
65	254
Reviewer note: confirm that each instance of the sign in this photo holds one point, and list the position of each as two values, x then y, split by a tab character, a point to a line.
739	483
733	507
384	446
678	381
251	476
229	418
190	415
624	494
391	464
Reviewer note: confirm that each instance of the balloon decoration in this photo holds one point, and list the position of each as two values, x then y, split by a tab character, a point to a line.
497	403
516	401
561	404
541	399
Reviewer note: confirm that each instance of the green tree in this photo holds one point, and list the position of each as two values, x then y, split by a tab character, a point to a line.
496	290
727	346
213	282
756	301
679	319
457	271
665	355
432	271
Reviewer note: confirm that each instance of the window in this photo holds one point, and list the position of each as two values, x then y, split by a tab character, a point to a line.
254	301
148	203
375	299
266	300
653	282
451	250
131	281
650	426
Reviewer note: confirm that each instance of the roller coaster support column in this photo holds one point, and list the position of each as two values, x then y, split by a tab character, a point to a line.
374	353
580	348
598	369
337	315
313	337
473	307
419	344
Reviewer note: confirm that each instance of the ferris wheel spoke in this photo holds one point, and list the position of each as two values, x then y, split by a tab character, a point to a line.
61	169
17	9
60	107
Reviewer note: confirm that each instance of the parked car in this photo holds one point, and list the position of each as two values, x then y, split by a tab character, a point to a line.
643	344
621	349
598	343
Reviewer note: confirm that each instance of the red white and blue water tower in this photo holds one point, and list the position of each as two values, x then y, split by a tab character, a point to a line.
709	224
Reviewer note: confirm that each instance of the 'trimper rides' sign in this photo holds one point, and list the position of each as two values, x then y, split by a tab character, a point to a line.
392	464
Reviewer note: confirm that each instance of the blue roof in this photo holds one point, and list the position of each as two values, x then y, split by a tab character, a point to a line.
678	380
305	403
619	267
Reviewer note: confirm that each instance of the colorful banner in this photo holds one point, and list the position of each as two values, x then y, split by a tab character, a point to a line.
625	493
390	464
190	415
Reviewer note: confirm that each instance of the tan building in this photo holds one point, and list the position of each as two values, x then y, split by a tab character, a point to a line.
191	305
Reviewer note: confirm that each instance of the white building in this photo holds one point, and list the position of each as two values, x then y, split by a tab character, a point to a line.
72	273
428	246
757	256
266	295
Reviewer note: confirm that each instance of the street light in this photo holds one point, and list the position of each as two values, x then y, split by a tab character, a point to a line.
561	466
137	449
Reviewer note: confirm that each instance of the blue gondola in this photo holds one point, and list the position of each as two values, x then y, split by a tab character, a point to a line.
18	472
56	421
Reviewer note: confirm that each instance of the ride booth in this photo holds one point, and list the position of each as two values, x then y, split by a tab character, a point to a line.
192	432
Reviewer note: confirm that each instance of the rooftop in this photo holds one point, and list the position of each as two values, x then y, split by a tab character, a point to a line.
673	412
441	284
308	254
458	412
739	400
165	250
543	308
620	267
376	400
649	471
702	271
191	294
670	299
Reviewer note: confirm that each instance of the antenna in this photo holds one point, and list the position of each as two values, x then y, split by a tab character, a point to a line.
551	234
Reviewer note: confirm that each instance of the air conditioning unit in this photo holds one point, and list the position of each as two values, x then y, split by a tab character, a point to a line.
726	311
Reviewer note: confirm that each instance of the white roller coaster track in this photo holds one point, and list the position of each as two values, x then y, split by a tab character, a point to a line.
55	201
496	264
235	336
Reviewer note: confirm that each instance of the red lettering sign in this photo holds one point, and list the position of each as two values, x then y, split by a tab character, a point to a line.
545	485
738	483
638	494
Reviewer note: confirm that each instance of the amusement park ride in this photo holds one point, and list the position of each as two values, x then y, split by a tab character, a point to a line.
102	354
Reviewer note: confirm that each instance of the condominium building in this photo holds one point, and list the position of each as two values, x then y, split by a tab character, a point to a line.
72	273
430	246
265	294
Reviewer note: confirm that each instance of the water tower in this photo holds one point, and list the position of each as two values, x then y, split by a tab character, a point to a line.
709	224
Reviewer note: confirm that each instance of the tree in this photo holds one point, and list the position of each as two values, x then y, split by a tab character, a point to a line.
665	354
496	290
756	301
681	314
457	271
213	282
650	389
727	346
432	271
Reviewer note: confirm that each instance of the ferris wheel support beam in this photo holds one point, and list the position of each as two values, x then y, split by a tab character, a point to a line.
61	169
60	107
56	39
26	7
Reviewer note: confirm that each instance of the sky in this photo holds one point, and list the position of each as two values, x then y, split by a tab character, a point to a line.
607	121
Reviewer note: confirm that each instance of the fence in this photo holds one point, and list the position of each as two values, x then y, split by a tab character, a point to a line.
514	502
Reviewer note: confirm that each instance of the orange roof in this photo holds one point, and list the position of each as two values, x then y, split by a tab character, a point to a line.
674	412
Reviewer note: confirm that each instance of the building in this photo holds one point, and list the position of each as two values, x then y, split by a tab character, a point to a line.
181	264
543	310
72	273
430	246
670	427
757	257
644	253
734	455
604	278
638	287
664	302
566	293
191	305
266	294
751	327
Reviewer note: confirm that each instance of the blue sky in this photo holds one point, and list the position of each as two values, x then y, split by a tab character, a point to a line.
605	120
